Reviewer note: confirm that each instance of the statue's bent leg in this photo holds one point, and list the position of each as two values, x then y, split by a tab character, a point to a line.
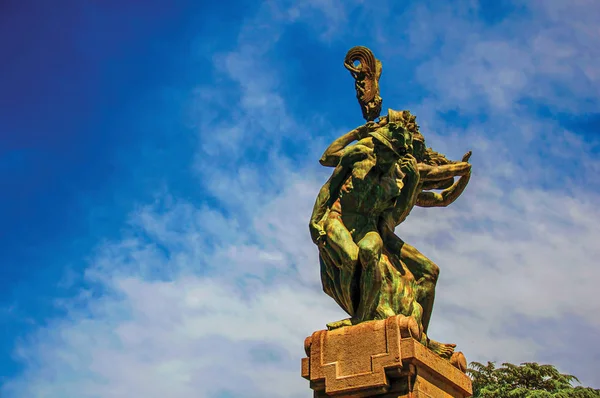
344	252
389	283
426	273
330	277
369	253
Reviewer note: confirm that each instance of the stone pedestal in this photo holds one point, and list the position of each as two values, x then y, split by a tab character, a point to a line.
380	359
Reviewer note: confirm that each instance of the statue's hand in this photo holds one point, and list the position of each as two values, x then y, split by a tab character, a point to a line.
467	156
321	239
371	125
317	233
365	129
409	166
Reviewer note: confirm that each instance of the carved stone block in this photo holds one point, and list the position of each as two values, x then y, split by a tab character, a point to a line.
379	359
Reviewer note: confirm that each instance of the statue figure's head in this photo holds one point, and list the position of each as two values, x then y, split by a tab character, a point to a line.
391	143
408	121
419	149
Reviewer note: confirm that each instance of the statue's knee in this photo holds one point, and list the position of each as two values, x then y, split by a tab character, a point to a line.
369	249
368	255
435	272
353	256
430	277
365	255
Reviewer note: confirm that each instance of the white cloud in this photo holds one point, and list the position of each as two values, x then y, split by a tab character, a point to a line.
204	299
187	334
548	54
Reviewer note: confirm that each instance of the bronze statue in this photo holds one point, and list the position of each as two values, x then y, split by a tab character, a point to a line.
345	221
368	270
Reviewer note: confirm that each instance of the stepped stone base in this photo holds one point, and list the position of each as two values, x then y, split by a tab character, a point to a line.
380	359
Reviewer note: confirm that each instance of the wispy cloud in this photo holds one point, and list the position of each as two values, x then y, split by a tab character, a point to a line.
215	296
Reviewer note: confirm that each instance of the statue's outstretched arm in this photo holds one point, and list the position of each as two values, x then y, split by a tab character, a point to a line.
319	212
332	155
447	196
442	184
443	172
446	171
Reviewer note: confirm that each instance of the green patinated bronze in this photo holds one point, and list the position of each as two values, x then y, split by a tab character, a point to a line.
365	267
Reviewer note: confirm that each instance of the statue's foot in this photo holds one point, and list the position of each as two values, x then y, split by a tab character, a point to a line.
459	361
386	311
342	323
443	350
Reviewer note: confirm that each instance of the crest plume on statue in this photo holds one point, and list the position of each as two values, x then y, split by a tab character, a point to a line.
366	76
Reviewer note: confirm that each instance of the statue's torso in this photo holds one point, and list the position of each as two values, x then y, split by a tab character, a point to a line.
367	191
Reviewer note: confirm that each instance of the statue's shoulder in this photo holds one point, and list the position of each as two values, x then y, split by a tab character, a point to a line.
366	142
357	152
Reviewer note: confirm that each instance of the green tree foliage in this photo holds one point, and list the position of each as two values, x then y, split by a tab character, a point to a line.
528	380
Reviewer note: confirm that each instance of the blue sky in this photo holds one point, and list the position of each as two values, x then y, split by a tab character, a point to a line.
159	165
